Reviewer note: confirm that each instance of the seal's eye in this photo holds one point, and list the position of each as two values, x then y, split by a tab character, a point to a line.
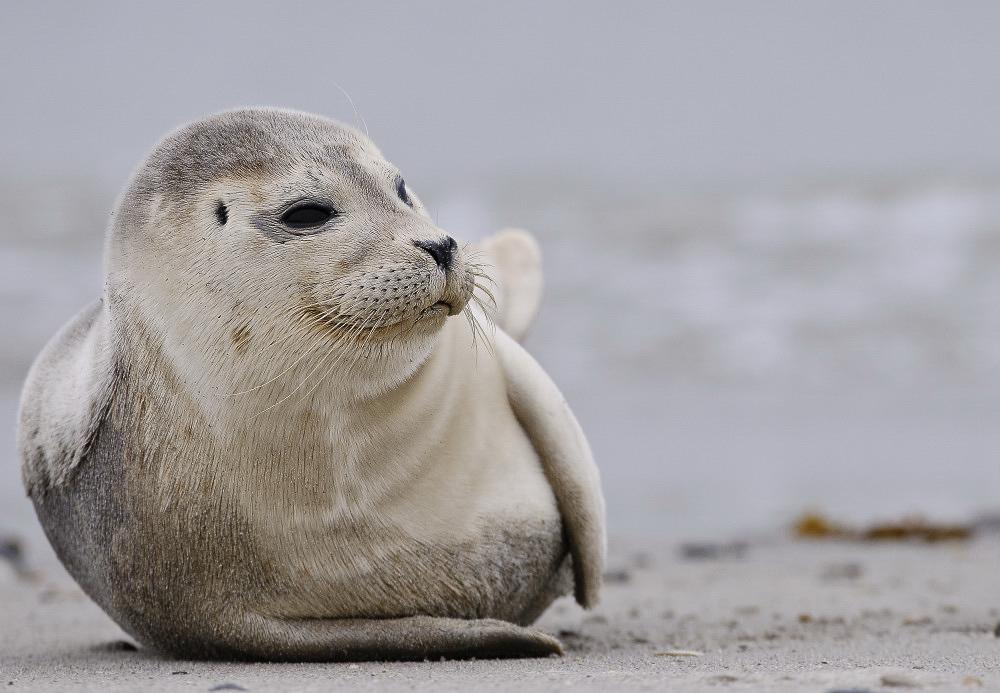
401	191
307	215
222	213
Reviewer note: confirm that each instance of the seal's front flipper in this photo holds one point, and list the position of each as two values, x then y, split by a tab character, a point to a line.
566	459
391	639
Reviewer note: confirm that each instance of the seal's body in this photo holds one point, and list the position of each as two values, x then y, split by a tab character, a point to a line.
269	440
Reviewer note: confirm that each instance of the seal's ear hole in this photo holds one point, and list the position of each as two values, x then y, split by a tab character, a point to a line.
222	213
306	215
401	191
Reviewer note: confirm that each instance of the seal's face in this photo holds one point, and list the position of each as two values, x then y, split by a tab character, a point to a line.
291	236
365	260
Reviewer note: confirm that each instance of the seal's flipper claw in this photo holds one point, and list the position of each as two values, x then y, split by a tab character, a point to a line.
414	638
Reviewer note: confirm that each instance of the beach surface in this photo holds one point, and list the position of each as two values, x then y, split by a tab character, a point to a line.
767	613
770	236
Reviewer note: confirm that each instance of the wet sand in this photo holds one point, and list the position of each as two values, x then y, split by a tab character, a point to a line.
764	614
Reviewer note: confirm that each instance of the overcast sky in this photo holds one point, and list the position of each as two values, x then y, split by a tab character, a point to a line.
622	91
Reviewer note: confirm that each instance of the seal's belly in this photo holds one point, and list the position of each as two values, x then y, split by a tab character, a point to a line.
499	573
473	540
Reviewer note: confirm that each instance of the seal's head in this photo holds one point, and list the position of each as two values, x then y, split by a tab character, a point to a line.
286	240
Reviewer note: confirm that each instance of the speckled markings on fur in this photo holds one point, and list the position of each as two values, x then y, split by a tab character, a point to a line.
283	433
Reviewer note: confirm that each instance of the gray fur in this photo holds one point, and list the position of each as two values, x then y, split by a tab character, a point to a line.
209	528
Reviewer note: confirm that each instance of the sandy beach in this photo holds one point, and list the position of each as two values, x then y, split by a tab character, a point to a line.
770	235
768	613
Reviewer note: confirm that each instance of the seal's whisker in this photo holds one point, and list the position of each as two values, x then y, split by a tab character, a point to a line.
294	337
335	362
341	355
475	335
472	252
312	370
358	120
489	295
376	326
480	272
474	258
314	346
484	308
319	363
477	329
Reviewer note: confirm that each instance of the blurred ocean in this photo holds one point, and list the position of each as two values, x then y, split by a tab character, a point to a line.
735	357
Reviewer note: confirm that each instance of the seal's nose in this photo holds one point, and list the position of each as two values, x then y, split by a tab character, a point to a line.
442	250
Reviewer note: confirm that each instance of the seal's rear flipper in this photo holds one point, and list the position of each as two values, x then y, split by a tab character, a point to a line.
64	400
391	639
514	263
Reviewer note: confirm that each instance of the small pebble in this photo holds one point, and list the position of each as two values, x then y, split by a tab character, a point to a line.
12	552
117	646
11	549
679	653
899	681
722	678
709	551
619	576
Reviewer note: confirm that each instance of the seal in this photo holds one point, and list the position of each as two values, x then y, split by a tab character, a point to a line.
275	436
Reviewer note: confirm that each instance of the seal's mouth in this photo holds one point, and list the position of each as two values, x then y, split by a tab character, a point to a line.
437	308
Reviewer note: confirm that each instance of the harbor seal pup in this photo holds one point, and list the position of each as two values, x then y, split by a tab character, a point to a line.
275	438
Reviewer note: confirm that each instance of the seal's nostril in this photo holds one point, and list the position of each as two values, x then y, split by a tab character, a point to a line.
441	250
